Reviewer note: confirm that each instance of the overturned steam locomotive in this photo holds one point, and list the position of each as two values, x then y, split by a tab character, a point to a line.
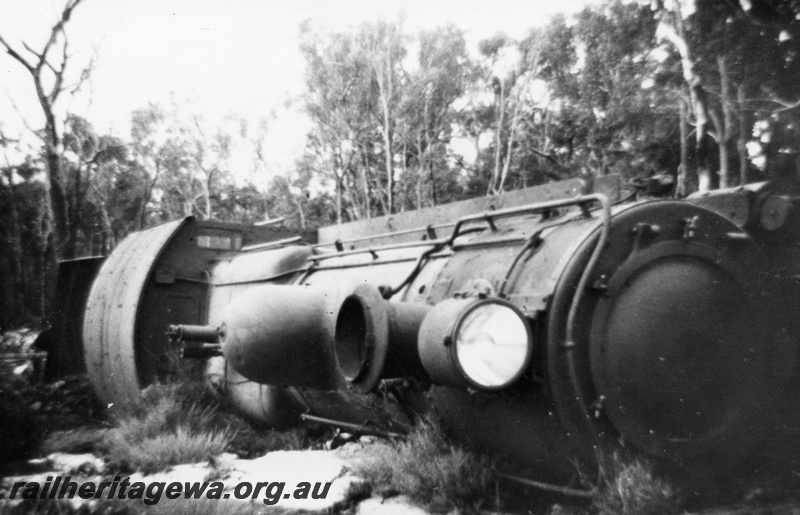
541	325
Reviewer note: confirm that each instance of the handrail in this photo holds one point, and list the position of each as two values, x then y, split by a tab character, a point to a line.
489	217
374	250
486	216
483	216
382	235
569	344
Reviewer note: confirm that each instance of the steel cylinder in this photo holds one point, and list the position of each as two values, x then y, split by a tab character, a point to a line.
279	335
194	333
376	339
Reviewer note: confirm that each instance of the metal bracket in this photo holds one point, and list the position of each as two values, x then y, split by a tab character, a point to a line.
645	233
601	284
598	406
430	232
690	227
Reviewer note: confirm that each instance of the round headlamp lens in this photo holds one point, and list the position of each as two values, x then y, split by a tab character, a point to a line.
492	344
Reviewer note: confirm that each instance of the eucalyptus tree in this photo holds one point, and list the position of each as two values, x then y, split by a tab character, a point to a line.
340	100
740	66
440	77
50	69
185	161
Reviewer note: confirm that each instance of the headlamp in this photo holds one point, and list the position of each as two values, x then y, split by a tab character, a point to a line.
475	343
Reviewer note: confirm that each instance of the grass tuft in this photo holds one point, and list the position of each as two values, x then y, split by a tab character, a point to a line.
428	469
170	424
173	424
159	452
633	489
185	422
73	441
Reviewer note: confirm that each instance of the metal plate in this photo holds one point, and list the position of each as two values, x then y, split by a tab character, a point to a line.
111	313
63	341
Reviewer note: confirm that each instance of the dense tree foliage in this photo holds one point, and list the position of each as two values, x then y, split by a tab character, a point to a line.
703	92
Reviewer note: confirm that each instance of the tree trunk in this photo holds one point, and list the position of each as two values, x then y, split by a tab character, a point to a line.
108	229
209	210
729	124
724	150
14	309
74	208
704	182
56	203
683	179
428	150
675	33
148	193
745	128
364	176
387	141
500	100
510	145
300	211
404	177
384	73
338	198
420	169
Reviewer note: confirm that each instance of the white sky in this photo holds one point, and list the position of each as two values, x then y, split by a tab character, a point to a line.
225	56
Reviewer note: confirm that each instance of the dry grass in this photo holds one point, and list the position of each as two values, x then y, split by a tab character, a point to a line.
173	424
159	452
428	469
170	424
73	441
634	489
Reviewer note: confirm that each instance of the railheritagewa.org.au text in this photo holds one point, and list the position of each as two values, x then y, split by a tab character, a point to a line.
64	487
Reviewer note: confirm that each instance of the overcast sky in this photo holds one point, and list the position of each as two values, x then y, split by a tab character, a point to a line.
225	56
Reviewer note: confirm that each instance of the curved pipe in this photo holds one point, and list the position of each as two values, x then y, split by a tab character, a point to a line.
570	345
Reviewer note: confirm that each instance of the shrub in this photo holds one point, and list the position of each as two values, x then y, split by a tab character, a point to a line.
428	469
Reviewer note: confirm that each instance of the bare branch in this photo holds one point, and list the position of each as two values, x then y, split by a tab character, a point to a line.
59	74
787	105
85	74
21	116
50	66
13	53
58	28
548	157
34	52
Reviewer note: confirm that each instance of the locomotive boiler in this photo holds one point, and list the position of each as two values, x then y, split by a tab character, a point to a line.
545	325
